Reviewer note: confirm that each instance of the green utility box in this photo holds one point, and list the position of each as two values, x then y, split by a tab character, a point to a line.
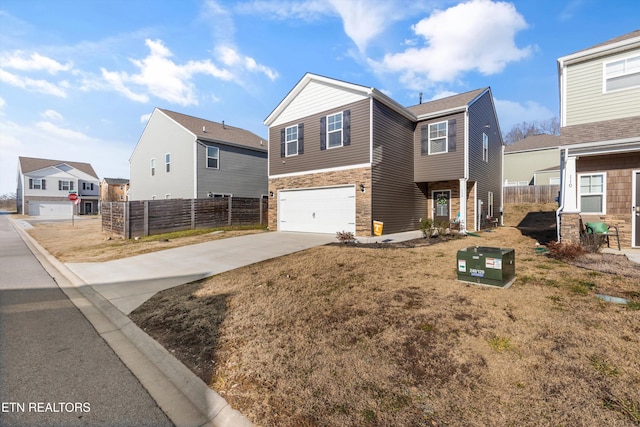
487	266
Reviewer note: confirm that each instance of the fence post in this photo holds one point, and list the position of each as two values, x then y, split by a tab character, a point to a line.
230	207
193	214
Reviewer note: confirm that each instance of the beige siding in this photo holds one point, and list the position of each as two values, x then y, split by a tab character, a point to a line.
314	159
521	166
585	100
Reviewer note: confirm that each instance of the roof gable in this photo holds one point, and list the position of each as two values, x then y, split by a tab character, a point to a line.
31	164
617	44
207	130
455	102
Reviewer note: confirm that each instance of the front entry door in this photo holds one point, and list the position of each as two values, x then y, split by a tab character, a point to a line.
636	211
442	206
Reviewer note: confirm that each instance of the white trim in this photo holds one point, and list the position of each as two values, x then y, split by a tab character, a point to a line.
286	142
601	143
310	172
434	209
466	145
446	137
635	220
599	49
328	132
604	192
604	73
371	130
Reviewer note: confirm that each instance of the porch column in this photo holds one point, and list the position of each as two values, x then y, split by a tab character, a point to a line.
463	204
570	185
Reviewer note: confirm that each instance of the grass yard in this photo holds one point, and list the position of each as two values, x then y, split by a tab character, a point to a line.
384	335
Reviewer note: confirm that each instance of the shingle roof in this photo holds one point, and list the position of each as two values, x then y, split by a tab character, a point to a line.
116	181
630	35
534	142
450	102
213	131
30	164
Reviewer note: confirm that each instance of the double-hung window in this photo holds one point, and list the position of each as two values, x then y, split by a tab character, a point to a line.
65	185
485	147
592	193
438	137
36	184
213	157
153	167
334	130
167	162
291	140
622	74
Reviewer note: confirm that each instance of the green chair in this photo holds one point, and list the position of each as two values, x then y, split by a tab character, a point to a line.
604	230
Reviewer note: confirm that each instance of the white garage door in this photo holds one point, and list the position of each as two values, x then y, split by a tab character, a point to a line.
320	210
52	209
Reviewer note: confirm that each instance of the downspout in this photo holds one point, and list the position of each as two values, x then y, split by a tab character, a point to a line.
563	174
195	168
463	198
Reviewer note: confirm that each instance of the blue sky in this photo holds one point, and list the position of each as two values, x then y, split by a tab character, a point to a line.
79	78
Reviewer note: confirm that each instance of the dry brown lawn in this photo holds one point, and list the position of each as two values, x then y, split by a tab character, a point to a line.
381	335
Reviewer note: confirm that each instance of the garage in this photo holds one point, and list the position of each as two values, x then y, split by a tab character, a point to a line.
318	210
51	209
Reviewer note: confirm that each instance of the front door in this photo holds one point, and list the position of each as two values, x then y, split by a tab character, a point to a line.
88	208
442	206
636	210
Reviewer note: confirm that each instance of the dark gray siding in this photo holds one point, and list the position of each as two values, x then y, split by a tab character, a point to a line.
242	172
443	166
396	200
488	175
313	157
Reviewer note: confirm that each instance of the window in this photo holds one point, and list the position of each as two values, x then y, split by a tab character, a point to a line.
291	140
36	184
334	130
622	74
167	162
65	185
153	167
438	137
592	193
490	204
213	157
485	147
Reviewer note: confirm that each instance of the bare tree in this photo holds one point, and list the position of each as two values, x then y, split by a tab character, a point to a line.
524	129
8	202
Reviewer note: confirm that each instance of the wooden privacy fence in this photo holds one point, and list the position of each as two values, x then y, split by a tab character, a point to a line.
151	217
531	194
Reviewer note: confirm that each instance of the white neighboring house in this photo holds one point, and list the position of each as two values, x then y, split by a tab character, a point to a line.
44	186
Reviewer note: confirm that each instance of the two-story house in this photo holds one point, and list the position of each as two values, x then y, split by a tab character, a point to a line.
181	156
44	186
342	156
600	138
113	189
534	160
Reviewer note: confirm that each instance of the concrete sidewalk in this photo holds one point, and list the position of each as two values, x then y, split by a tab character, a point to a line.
129	282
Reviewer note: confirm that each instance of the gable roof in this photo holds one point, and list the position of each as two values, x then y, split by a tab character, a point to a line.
533	143
30	164
116	181
206	130
615	44
455	102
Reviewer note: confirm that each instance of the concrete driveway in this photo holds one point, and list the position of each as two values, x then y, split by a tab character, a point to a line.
129	282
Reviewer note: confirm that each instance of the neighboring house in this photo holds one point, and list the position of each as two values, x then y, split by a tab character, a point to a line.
534	160
344	155
44	187
600	138
113	189
180	156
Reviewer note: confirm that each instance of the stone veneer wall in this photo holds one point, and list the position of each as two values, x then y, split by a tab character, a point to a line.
328	179
570	227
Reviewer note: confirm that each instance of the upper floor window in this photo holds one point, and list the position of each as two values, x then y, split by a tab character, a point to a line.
65	185
592	193
291	140
153	167
622	74
167	162
87	186
213	157
334	130
438	137
485	147
37	184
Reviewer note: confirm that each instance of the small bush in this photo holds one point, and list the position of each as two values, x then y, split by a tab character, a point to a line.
345	236
565	251
593	243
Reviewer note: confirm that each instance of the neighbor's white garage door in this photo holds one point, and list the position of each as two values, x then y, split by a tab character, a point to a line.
53	209
320	210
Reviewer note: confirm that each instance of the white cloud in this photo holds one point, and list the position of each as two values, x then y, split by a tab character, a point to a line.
66	135
298	10
19	60
477	35
145	118
233	59
33	85
511	113
51	115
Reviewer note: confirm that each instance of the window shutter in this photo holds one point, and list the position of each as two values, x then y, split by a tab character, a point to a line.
346	127
424	140
30	183
451	135
282	147
323	133
301	138
71	185
44	184
59	185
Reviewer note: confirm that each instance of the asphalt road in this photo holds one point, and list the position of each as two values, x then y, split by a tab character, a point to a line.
55	369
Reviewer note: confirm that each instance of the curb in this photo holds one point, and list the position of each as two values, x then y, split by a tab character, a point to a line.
184	397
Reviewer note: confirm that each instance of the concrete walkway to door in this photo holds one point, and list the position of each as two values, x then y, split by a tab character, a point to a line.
129	282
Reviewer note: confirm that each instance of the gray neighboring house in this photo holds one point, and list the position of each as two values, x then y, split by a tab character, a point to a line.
344	155
184	157
44	186
534	160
